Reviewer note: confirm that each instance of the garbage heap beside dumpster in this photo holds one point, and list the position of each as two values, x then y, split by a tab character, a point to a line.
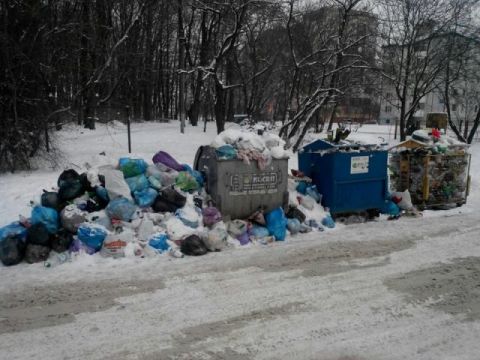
130	207
433	167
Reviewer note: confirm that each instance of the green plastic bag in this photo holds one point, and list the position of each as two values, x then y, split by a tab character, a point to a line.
186	182
132	167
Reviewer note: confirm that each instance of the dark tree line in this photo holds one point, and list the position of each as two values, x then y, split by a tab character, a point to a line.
92	60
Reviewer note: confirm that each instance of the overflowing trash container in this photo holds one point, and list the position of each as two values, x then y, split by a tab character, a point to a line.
351	177
436	173
239	188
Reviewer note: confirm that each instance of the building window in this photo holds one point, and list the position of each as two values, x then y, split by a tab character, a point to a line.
389	96
421	106
388	109
454	107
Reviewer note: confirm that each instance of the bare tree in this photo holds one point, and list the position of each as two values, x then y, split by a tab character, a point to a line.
411	54
460	79
330	56
231	18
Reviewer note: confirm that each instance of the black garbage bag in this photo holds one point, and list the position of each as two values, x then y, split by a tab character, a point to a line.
294	213
95	203
51	199
173	196
70	185
38	234
193	245
61	241
161	205
169	200
102	179
12	250
68	176
70	191
36	253
86	184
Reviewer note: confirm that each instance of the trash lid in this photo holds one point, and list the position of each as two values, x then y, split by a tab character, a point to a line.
344	145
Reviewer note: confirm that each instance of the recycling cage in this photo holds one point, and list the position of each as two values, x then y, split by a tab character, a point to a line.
239	189
433	180
351	177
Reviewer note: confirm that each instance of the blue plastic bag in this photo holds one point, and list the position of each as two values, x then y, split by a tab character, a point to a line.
46	216
145	198
102	193
92	236
313	192
302	187
154	182
390	208
258	231
137	183
132	167
226	152
121	209
159	242
277	224
328	222
293	226
13	229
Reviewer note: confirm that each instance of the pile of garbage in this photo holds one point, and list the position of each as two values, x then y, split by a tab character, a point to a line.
248	146
134	208
432	142
305	212
433	167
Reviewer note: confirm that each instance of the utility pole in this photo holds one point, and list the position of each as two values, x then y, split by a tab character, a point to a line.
181	63
129	136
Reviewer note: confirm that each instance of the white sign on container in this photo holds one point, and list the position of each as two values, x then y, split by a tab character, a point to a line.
359	165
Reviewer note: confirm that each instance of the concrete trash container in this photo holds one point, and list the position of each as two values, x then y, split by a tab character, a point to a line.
351	177
239	189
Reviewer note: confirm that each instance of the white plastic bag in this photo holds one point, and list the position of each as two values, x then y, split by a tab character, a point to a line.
216	239
115	243
92	177
176	229
116	185
406	200
145	230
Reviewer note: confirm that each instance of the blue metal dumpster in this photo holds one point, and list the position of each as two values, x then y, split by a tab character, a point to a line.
351	177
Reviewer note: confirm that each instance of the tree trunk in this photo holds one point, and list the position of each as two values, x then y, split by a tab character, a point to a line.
332	115
229	111
447	98
194	109
476	123
182	64
219	107
86	61
147	73
465	130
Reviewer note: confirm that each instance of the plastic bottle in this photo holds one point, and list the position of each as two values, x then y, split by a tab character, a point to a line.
175	253
57	259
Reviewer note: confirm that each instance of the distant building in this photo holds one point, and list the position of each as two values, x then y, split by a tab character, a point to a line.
360	102
464	91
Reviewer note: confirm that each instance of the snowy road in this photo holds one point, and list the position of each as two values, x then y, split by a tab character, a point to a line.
406	289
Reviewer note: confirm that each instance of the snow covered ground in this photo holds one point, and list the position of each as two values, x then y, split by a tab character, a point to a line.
405	289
